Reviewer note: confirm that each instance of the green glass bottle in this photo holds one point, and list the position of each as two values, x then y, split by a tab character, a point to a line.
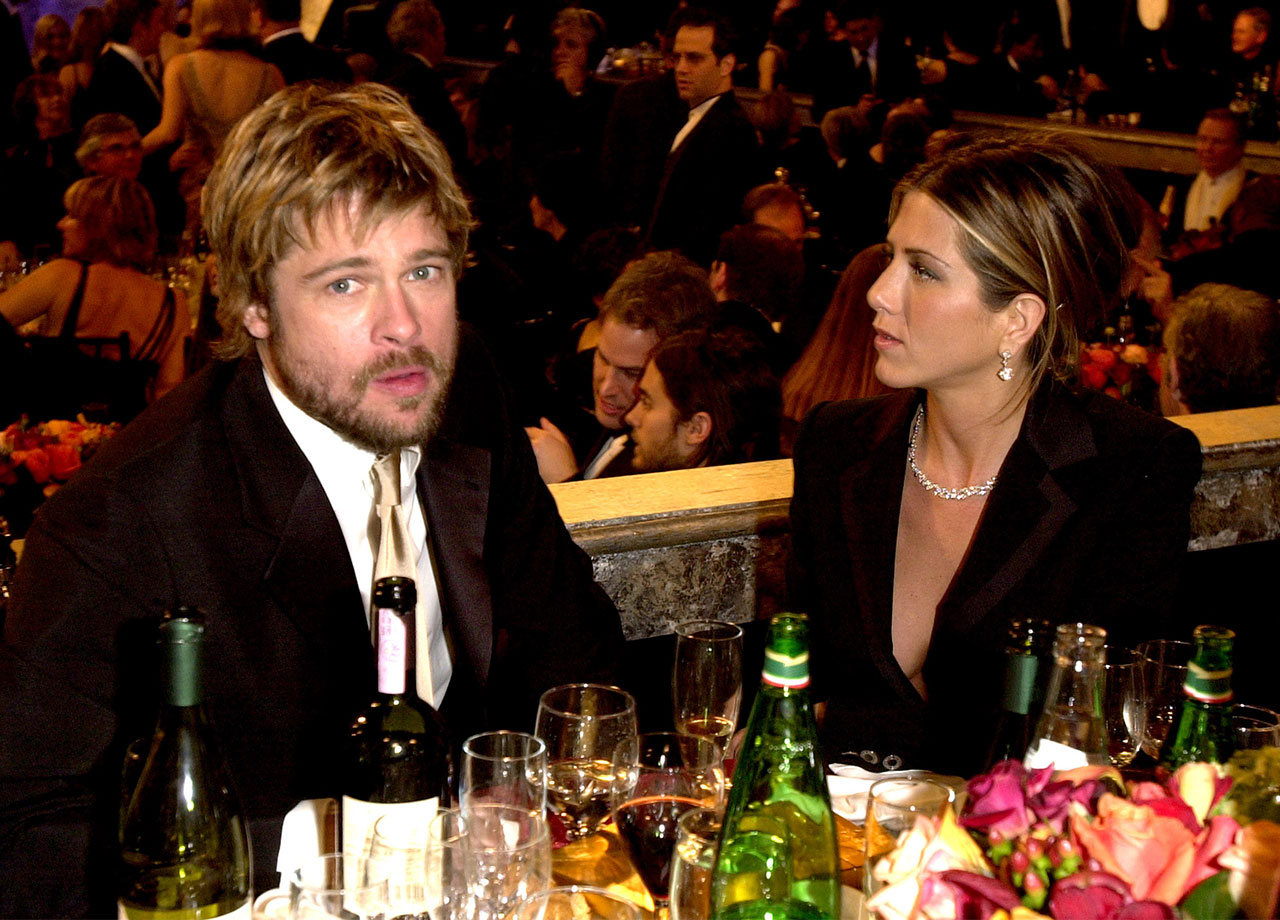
1203	731
184	850
1026	648
777	857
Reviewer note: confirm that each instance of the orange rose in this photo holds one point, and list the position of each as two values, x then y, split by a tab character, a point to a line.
64	459
1157	856
36	462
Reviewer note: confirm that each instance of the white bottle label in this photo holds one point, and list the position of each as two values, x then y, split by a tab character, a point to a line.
393	650
1046	753
358	818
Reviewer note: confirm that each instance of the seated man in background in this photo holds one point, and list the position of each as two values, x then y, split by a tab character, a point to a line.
654	298
1196	221
1222	351
758	278
706	398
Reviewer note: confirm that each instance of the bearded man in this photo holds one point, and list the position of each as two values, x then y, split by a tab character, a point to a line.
250	492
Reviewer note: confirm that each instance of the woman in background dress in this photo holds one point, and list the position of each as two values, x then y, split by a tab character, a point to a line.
987	487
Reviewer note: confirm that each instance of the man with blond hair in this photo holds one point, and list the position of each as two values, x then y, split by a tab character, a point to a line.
250	493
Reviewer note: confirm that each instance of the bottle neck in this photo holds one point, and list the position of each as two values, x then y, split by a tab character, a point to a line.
394	643
183	681
1020	672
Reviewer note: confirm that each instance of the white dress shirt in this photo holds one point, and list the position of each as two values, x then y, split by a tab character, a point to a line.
345	472
1208	199
695	116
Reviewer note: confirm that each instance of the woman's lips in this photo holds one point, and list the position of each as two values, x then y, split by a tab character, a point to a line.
884	340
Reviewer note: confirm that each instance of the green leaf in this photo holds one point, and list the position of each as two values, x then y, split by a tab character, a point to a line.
1210	900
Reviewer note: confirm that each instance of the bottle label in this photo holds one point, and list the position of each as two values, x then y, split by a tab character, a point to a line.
790	671
359	818
1020	683
1046	753
1208	686
393	649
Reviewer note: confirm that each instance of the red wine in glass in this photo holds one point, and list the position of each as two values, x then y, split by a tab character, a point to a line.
648	827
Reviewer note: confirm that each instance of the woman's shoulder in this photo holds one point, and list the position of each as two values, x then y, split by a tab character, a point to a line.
848	427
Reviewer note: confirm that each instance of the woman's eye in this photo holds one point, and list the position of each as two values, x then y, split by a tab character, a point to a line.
922	273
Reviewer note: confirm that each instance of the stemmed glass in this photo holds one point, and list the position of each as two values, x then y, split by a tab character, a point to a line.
1164	672
508	857
1124	705
661	776
695	857
317	891
508	768
448	894
1255	727
576	902
706	682
582	726
398	855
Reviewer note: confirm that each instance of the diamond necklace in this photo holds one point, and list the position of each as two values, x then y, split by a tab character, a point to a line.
940	491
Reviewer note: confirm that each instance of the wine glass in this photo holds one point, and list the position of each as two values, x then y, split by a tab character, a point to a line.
706	682
504	767
1124	704
582	725
448	894
661	776
317	892
508	857
892	807
1164	672
398	854
1255	727
696	844
576	902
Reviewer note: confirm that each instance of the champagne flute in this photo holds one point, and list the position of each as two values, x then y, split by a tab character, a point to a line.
696	844
1124	706
706	682
1164	672
508	857
504	767
661	777
582	725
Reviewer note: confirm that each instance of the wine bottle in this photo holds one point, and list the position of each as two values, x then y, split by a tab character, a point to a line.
1072	730
184	850
777	854
1203	730
398	760
1027	643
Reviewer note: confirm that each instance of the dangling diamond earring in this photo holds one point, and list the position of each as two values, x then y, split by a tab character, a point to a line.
1006	372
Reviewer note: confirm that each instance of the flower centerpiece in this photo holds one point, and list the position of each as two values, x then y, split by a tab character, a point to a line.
1128	372
1079	845
37	458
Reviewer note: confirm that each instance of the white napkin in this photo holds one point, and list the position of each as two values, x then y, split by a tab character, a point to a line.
303	836
848	786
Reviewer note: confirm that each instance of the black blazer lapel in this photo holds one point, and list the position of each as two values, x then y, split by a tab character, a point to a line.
453	483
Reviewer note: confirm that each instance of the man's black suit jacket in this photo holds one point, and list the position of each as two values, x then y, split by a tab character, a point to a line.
1088	521
117	86
704	182
838	82
299	60
206	500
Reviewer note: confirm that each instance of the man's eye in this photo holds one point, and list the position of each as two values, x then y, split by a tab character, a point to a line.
341	286
424	272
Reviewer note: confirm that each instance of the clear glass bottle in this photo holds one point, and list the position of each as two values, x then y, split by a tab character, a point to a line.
777	856
1203	729
184	850
1072	729
398	759
1026	649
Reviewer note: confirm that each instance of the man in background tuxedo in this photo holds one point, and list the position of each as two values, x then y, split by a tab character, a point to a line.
255	492
283	44
122	81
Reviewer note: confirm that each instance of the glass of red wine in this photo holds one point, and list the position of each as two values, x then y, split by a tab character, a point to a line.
661	776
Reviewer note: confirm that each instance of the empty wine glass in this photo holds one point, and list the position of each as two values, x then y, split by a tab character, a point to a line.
503	767
398	854
1255	727
582	725
1124	705
576	902
695	857
1164	672
317	892
448	894
661	776
706	682
508	857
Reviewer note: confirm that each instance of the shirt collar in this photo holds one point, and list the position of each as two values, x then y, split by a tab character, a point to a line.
1235	172
292	30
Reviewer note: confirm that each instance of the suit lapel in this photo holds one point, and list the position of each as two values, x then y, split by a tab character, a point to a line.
675	156
309	572
1026	511
875	478
453	482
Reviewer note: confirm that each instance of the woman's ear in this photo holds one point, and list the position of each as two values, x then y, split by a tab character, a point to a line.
1023	317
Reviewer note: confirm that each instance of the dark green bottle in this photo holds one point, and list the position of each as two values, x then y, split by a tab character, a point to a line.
777	855
184	850
1203	730
1026	649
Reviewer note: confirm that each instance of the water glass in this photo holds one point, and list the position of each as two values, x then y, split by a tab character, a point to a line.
706	682
317	892
1164	672
1255	727
508	768
1124	704
582	726
398	854
508	857
576	902
892	808
448	894
696	845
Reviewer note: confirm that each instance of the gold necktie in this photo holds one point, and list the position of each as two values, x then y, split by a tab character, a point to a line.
395	547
